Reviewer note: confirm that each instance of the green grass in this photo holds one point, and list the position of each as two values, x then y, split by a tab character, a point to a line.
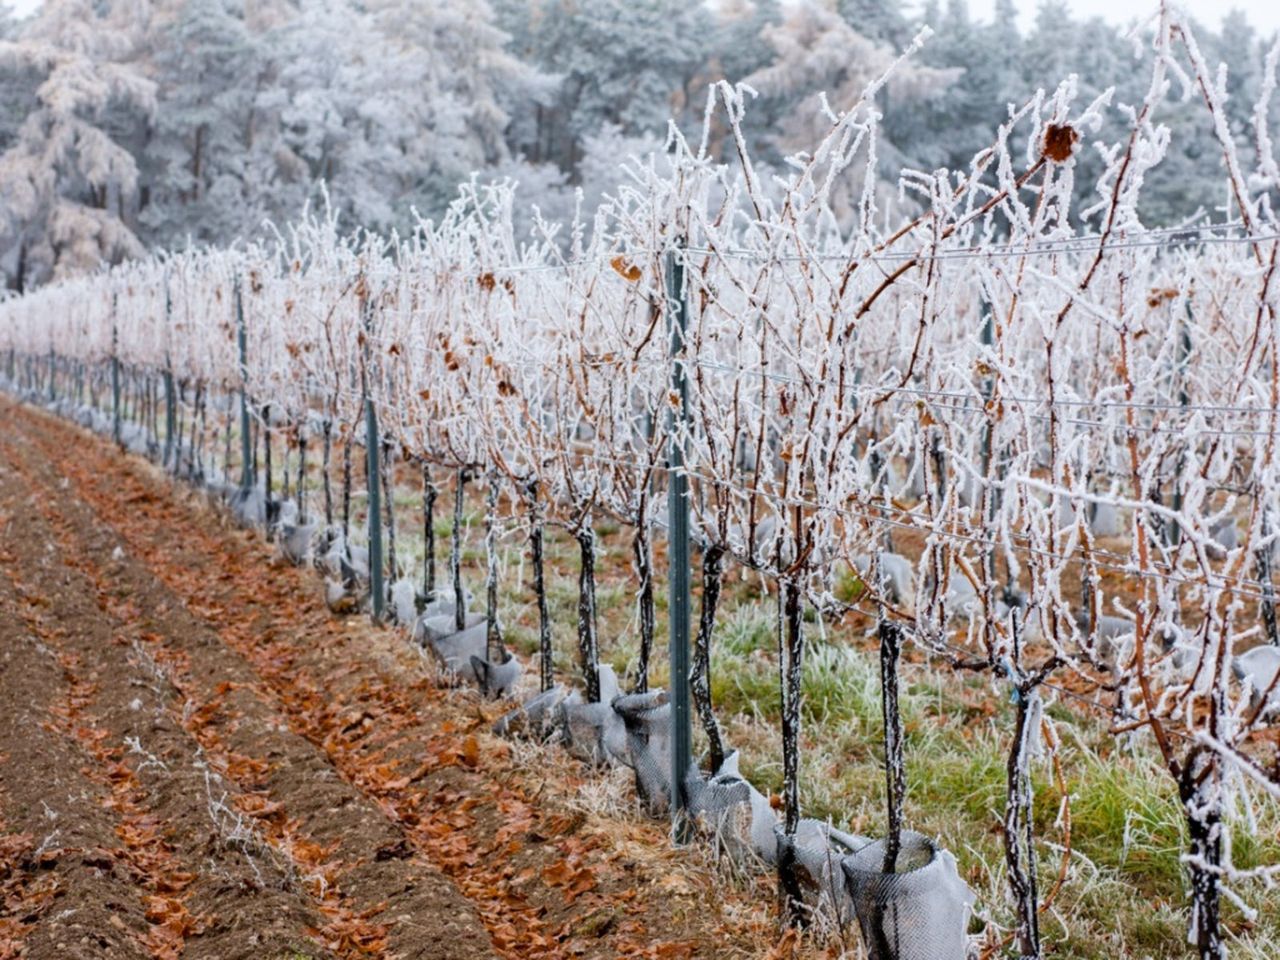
1124	894
742	632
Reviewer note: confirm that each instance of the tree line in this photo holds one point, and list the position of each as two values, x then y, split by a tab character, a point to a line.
128	125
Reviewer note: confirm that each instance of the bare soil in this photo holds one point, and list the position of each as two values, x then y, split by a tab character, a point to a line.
198	760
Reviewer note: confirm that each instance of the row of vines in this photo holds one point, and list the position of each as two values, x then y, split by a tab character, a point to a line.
1043	436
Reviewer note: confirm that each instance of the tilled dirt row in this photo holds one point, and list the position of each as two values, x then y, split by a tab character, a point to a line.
314	850
62	860
267	781
203	872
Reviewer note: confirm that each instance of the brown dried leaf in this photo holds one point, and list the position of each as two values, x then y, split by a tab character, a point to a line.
628	271
471	752
1059	142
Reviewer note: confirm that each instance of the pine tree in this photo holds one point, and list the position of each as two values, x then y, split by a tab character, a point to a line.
1004	44
462	88
740	46
1238	46
66	185
631	63
815	51
951	127
334	110
17	87
199	161
881	20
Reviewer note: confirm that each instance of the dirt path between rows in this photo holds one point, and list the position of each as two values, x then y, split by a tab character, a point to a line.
197	760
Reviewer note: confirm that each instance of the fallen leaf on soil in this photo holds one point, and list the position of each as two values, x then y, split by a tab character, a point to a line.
572	880
471	752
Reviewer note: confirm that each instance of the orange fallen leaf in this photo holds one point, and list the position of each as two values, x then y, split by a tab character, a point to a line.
471	752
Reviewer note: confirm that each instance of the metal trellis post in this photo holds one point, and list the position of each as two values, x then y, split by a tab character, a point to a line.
1173	530
170	401
115	384
247	479
373	449
988	389
680	602
375	510
170	418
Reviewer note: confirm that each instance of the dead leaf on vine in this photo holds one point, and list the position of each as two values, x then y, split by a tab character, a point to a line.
1060	142
628	271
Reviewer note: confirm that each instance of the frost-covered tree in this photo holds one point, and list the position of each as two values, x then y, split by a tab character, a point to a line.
604	152
335	111
631	63
817	52
392	104
951	127
545	187
66	186
17	87
883	20
740	46
460	89
1049	51
207	181
1004	49
1238	45
542	190
739	49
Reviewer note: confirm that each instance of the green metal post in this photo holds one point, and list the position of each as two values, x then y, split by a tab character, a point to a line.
115	384
247	478
679	573
375	510
170	416
1173	530
989	493
372	448
170	401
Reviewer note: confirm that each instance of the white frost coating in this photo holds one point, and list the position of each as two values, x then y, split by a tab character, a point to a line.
996	396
